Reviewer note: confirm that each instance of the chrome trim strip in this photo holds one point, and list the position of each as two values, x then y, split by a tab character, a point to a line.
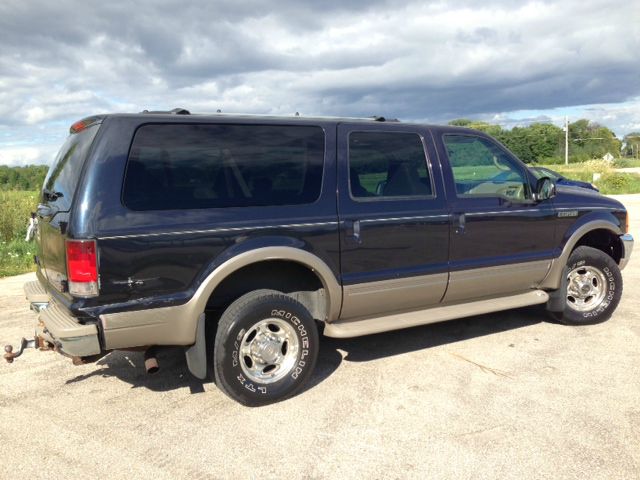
218	230
585	209
507	212
627	244
402	219
502	212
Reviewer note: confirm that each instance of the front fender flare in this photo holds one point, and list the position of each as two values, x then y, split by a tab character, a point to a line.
552	280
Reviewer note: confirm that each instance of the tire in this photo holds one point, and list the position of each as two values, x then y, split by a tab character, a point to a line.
266	347
594	287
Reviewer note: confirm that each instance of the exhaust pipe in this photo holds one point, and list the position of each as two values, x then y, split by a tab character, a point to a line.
150	360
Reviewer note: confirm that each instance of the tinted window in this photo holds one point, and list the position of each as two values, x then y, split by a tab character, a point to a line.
387	164
481	168
209	166
65	171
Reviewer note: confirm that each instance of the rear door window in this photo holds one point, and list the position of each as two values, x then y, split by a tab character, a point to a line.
387	164
64	174
213	166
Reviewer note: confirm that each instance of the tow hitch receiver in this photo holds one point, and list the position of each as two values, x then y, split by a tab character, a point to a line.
37	342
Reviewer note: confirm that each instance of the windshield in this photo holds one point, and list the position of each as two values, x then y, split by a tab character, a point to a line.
540	172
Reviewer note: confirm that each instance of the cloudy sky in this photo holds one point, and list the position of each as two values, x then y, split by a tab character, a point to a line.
503	61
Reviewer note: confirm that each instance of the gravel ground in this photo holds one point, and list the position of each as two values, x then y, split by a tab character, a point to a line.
504	395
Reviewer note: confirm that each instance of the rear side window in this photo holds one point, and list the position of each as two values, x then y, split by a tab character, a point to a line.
64	174
387	164
214	166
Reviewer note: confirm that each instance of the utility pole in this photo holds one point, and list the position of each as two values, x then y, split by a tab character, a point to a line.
566	140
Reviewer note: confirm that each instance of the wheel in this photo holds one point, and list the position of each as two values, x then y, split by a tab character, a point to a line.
594	287
265	348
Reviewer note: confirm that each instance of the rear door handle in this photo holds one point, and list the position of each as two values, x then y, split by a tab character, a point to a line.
353	230
461	223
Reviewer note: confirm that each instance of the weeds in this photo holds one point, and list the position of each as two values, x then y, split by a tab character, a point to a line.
16	255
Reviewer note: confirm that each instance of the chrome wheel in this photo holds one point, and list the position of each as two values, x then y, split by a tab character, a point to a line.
269	350
586	288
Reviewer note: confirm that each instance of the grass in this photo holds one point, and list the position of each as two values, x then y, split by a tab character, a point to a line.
610	181
16	255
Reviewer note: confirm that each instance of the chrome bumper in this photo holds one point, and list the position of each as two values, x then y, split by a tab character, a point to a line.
627	244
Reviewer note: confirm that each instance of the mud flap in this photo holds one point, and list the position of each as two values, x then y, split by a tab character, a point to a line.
196	354
558	298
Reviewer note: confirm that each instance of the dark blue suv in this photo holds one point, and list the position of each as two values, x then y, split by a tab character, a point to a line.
242	238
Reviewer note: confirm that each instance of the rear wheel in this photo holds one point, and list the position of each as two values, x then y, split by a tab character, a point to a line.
265	348
594	287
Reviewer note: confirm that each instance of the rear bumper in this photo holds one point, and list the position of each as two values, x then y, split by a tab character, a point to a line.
57	326
627	244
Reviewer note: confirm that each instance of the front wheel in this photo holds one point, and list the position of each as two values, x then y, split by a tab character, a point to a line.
594	287
265	349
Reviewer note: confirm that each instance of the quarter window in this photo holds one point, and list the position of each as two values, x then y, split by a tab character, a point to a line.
210	166
482	169
387	164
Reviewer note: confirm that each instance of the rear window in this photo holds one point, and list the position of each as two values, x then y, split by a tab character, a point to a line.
213	166
64	174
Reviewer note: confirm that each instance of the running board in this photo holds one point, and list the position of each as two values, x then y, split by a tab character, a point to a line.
356	328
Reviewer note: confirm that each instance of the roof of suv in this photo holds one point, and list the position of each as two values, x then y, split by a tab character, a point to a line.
184	115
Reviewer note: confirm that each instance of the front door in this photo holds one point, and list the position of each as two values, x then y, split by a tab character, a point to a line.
501	240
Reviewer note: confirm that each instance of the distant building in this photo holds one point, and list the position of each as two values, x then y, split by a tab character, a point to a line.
608	157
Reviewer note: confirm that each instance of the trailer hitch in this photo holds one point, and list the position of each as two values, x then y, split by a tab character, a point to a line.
37	342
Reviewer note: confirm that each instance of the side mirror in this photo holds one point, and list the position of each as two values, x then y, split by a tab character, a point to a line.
545	189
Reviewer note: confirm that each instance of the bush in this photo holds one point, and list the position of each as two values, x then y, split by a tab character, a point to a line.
626	163
597	166
16	255
15	209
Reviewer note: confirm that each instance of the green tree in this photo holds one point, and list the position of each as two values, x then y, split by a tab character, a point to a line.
30	177
590	140
631	144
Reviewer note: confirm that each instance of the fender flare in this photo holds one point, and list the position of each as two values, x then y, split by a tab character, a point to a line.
320	268
554	276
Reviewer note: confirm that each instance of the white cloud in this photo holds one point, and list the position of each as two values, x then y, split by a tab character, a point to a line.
20	156
413	60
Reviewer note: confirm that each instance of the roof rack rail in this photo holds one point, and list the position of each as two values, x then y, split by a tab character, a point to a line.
379	118
175	111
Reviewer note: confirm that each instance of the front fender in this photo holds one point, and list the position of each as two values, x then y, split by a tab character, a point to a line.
588	223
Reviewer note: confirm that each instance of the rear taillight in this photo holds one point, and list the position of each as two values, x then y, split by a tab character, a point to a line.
82	268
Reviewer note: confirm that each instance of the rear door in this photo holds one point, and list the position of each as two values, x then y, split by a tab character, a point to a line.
56	200
394	227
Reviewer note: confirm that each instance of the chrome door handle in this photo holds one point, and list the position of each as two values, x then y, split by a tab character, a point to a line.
353	230
461	223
